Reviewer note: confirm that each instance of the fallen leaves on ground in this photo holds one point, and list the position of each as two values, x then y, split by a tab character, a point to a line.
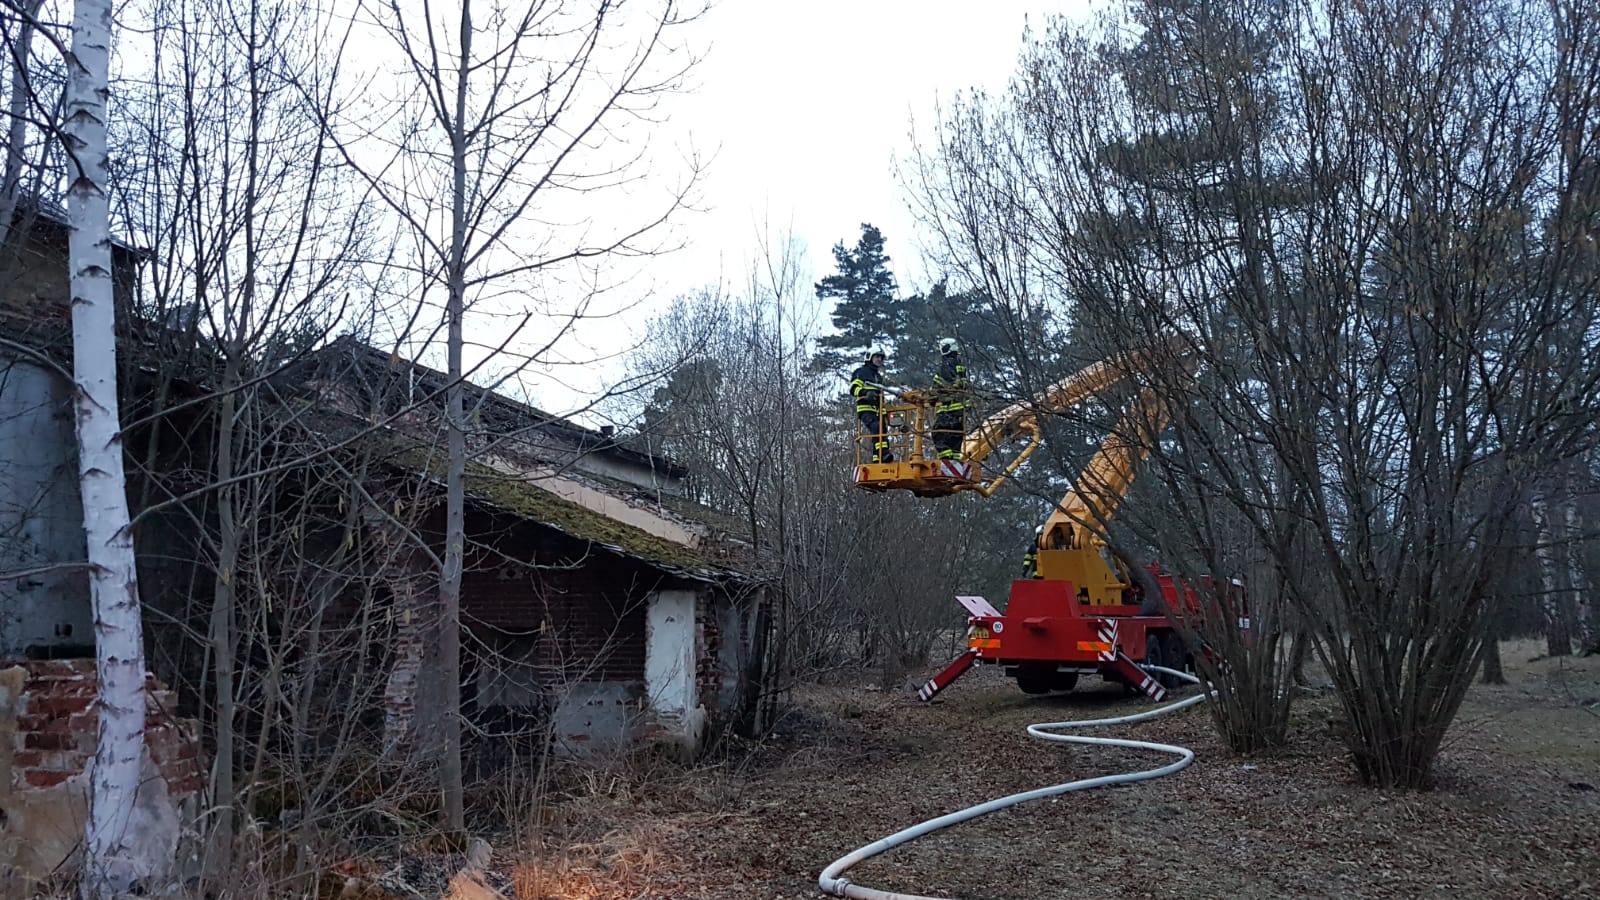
853	765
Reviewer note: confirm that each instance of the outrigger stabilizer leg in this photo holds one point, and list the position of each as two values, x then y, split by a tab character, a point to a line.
950	673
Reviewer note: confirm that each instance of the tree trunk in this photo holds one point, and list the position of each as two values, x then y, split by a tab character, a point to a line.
1299	655
1585	624
1588	624
220	845
450	771
748	720
110	869
1493	671
11	185
1557	630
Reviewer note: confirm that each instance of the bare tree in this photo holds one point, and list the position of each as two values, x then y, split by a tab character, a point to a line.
229	176
1375	250
1566	590
536	102
18	35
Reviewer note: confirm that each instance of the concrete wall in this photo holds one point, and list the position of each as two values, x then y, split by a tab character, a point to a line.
41	521
593	717
669	661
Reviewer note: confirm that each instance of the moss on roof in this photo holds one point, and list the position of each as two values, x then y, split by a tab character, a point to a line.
679	506
528	500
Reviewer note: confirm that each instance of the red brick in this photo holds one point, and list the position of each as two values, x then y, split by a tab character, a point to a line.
180	773
27	724
162	730
59	668
174	768
194	784
62	760
47	740
52	704
27	759
77	686
43	778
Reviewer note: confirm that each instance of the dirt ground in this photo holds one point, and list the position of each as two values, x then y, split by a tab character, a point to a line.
1516	812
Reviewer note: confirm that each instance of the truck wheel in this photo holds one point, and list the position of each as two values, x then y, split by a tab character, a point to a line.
1063	681
1177	652
1034	681
1156	647
1152	650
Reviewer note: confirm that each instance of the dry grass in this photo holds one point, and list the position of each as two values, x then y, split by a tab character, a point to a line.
1515	812
1510	817
623	863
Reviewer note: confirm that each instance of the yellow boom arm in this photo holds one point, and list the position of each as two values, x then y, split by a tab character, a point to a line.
1022	418
1069	546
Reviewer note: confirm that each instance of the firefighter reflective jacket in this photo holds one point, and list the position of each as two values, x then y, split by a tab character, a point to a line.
864	383
951	384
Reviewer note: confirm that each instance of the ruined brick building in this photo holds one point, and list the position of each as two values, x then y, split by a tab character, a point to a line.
598	607
593	592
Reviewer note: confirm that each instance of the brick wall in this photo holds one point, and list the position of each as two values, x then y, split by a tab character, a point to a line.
708	650
48	727
594	600
56	728
597	626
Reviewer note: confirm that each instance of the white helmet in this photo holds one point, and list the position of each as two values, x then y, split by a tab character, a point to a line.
1039	531
948	346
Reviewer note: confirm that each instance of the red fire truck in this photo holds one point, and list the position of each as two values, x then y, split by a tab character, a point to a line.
1083	612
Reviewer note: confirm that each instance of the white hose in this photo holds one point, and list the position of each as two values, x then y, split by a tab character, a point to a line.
833	882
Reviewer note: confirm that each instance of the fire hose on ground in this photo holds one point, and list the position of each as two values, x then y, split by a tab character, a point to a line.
832	880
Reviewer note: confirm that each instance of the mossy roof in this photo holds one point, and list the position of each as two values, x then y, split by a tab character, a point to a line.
526	499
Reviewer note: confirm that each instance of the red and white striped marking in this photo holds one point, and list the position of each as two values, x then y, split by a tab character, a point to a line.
1108	636
1126	667
1151	686
951	672
954	468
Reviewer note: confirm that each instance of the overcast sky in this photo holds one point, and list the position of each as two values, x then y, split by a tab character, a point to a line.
802	109
807	105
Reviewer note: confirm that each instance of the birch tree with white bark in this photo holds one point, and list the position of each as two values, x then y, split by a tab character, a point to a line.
110	866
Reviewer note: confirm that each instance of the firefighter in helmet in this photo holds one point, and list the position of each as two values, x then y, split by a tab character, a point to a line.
1030	560
866	386
950	392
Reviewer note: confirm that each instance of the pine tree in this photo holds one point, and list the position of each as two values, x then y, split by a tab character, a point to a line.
867	311
969	316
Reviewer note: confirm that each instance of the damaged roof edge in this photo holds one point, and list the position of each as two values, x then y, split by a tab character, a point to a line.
527	500
48	211
589	439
